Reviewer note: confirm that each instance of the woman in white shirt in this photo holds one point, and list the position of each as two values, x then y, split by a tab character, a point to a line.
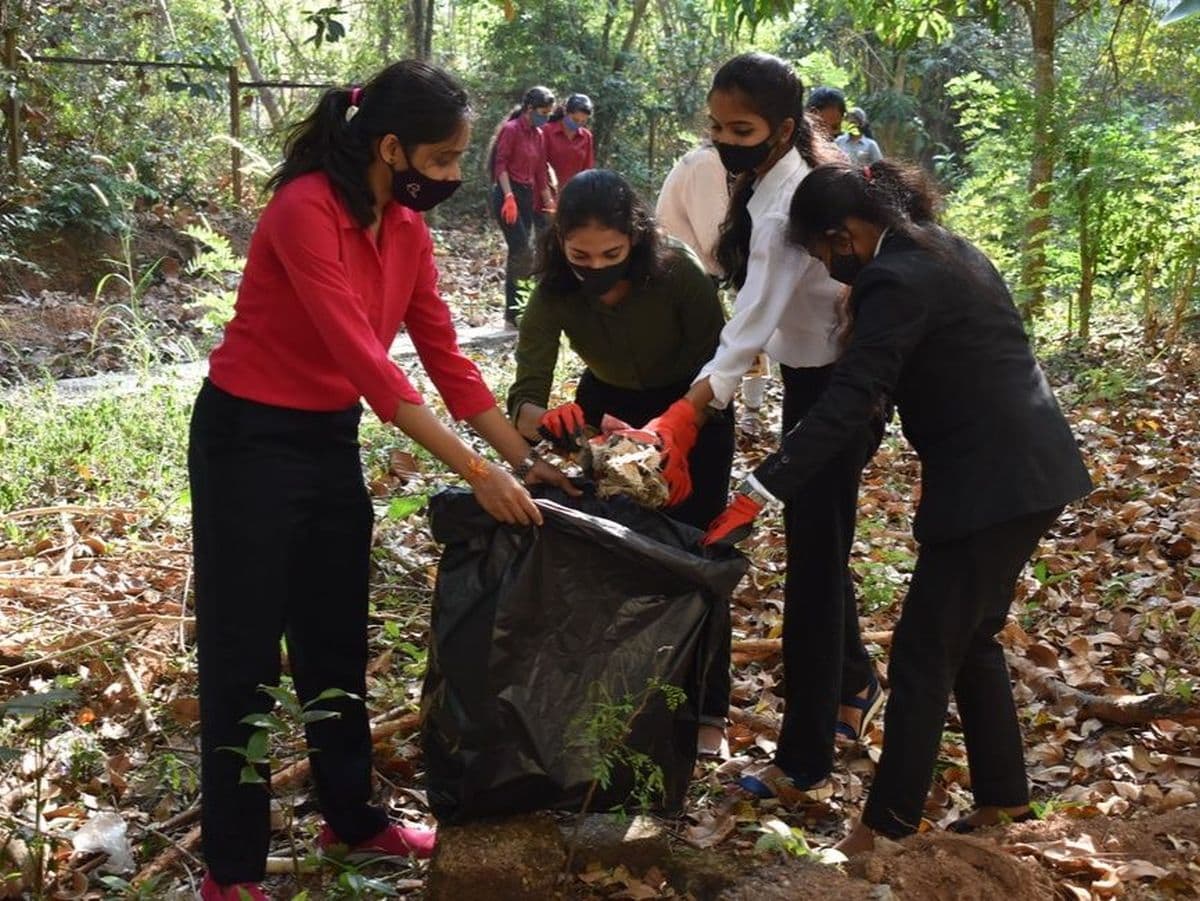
788	306
692	204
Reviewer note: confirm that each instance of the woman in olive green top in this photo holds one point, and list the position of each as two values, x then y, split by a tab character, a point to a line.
643	316
639	311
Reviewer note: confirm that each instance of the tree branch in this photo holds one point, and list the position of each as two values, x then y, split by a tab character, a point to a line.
1124	710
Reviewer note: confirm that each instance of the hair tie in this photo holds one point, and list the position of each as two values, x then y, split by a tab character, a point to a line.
356	93
867	173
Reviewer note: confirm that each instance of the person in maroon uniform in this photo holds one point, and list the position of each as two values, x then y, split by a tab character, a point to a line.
520	188
341	258
569	147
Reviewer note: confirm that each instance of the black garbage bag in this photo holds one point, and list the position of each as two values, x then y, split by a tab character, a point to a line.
538	632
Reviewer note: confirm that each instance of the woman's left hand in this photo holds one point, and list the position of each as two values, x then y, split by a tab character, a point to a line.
544	473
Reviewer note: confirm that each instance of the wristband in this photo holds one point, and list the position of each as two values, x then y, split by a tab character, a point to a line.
754	490
522	469
477	469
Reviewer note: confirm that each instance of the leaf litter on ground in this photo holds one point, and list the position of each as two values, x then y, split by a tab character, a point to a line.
96	597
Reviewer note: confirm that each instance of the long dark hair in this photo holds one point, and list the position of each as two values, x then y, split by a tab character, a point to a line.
576	103
535	98
772	89
604	198
417	102
887	193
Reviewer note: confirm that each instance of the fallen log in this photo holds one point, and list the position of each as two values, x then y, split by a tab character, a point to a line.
1121	710
765	647
285	779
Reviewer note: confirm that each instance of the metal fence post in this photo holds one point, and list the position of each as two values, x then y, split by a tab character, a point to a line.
12	105
235	134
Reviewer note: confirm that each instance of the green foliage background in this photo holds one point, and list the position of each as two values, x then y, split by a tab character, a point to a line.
947	83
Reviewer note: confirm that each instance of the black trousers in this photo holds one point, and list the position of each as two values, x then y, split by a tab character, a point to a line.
282	534
519	236
824	661
709	464
946	641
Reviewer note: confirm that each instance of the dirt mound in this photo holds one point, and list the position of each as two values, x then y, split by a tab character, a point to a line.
945	867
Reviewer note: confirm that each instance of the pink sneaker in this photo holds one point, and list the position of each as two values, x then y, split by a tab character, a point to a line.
210	890
397	841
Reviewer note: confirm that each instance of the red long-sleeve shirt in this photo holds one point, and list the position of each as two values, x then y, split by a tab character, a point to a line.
320	302
568	156
521	152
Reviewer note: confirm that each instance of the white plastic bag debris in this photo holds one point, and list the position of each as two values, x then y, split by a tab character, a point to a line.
105	831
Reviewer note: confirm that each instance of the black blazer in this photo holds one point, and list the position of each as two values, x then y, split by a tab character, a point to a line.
937	332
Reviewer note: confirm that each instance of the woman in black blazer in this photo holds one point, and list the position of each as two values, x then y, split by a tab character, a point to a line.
935	332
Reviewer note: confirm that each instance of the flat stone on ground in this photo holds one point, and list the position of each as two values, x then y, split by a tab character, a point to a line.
638	843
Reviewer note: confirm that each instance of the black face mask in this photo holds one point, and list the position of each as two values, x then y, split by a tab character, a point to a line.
417	191
598	282
845	267
739	158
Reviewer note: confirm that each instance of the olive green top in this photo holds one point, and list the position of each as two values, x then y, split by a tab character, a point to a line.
664	330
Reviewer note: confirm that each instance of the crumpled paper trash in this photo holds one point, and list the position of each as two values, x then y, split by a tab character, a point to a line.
623	465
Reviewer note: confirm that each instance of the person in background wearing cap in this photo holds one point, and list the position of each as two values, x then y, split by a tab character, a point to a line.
281	519
569	147
858	145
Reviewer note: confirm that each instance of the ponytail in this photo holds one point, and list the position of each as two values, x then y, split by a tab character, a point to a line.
535	98
417	102
770	87
886	193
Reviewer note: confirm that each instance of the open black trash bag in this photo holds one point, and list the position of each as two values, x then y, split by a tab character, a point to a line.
531	626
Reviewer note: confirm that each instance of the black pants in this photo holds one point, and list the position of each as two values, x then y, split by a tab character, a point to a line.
824	661
709	464
282	535
946	641
519	236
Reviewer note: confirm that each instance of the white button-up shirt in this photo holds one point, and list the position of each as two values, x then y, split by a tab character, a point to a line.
788	304
692	203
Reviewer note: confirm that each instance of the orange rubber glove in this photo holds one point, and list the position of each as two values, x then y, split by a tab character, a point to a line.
677	429
734	523
508	209
564	422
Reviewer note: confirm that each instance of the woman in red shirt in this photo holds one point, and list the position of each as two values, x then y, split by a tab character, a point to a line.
341	258
521	188
569	148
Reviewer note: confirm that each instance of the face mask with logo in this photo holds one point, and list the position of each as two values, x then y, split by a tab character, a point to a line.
739	158
539	119
417	191
598	282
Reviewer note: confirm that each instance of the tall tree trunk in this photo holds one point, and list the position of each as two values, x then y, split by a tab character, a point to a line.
427	37
639	12
1043	32
385	32
602	122
420	28
247	52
